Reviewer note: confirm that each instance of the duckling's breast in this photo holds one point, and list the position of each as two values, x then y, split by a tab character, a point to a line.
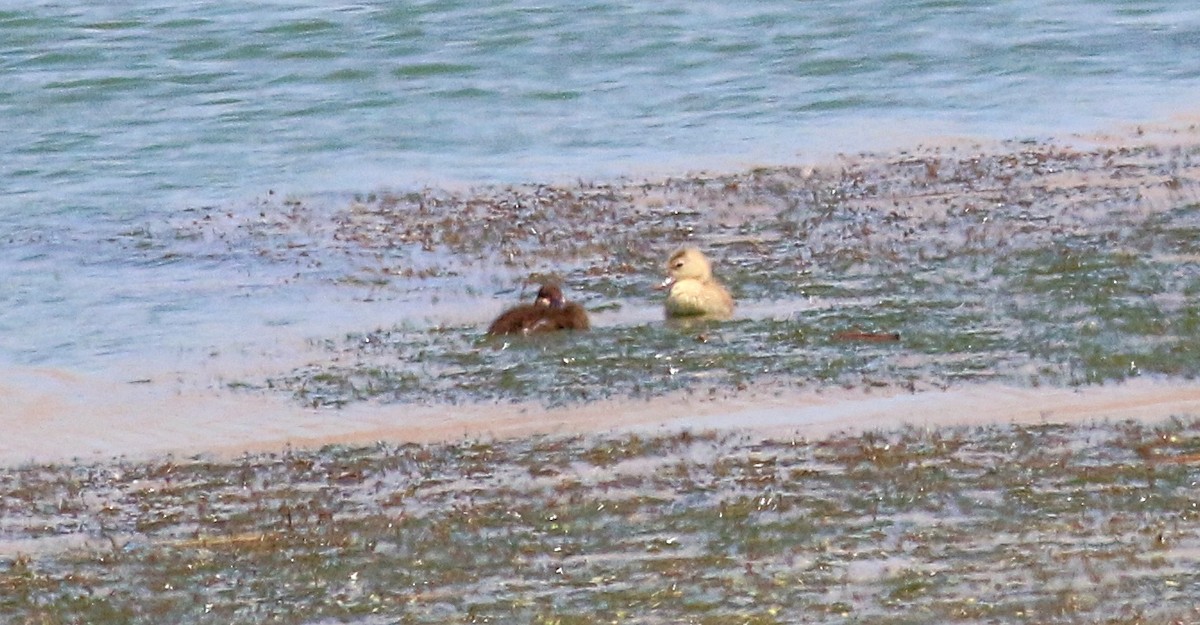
692	298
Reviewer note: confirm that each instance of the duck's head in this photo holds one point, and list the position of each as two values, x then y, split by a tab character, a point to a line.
550	295
687	264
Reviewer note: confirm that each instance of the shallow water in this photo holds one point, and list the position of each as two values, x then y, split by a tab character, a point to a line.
954	525
170	104
120	119
199	200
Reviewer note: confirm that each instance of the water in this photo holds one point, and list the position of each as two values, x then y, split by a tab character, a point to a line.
123	116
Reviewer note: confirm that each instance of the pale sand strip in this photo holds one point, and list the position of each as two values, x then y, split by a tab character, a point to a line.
50	415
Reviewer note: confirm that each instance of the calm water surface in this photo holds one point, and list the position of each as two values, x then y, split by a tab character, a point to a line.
123	116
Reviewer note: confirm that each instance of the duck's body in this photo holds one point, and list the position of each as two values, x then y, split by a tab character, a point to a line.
694	292
550	312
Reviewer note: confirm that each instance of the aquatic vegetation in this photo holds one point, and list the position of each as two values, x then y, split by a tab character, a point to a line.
1036	264
1092	523
1028	263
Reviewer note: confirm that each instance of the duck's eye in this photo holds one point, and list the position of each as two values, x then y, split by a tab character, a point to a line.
678	264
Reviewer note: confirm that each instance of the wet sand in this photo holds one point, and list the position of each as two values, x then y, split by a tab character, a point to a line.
52	416
62	415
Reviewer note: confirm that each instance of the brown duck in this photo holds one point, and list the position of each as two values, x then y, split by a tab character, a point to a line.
550	312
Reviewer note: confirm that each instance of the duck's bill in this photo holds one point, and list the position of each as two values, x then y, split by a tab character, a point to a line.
666	284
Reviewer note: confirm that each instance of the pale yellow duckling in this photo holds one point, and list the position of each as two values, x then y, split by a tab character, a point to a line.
694	291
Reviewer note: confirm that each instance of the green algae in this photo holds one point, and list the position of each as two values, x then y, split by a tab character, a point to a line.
1030	265
1008	524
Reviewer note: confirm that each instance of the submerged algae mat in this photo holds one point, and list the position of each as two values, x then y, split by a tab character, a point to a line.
1003	524
1024	263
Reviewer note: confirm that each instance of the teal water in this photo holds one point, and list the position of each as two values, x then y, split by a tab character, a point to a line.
124	116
